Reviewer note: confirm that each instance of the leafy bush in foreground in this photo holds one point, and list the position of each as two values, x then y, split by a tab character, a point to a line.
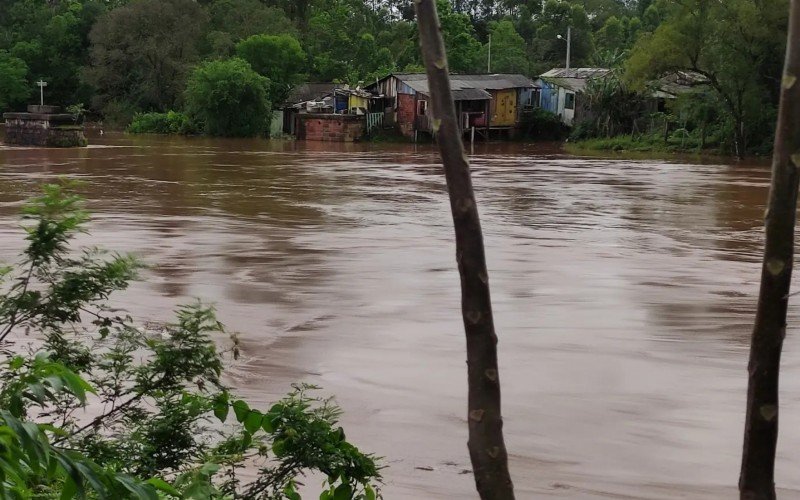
106	407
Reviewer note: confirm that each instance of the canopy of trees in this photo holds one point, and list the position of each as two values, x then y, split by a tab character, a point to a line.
123	57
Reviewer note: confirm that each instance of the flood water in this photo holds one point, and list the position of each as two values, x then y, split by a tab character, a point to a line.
624	293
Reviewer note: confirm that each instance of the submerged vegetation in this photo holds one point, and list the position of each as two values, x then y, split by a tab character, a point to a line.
97	404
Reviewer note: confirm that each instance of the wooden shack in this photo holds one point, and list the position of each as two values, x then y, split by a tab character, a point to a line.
484	103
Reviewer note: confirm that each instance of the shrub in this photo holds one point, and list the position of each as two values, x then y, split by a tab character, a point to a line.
277	57
156	391
229	99
170	122
544	125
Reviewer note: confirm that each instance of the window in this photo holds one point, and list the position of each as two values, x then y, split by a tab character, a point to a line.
422	108
569	100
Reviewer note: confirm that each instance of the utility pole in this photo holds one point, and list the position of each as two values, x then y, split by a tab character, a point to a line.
569	44
489	66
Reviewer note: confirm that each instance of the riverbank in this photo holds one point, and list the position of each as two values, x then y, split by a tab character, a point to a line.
626	148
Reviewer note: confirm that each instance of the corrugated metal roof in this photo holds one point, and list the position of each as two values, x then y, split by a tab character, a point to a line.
469	87
497	81
311	92
679	82
574	79
462	91
576	73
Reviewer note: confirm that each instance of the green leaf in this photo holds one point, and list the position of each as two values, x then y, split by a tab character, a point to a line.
209	469
16	362
343	492
140	491
290	492
221	407
164	486
15	406
267	424
241	409
253	421
279	447
69	490
369	493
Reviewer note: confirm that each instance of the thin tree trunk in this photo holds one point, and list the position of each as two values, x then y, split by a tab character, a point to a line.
757	481
486	445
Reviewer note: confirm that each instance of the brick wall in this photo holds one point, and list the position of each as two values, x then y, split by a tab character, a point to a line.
406	110
331	128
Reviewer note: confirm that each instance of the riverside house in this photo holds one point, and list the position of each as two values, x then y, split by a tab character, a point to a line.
561	91
491	104
327	112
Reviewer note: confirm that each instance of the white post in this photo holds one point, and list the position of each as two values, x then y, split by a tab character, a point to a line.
472	135
42	84
569	43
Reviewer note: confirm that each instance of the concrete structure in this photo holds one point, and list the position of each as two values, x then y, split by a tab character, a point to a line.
313	112
561	89
483	102
44	126
330	127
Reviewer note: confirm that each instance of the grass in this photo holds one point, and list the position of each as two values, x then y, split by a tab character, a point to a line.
640	144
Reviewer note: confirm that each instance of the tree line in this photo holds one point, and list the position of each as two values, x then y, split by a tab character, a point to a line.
121	57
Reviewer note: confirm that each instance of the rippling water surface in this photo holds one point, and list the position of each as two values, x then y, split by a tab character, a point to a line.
624	292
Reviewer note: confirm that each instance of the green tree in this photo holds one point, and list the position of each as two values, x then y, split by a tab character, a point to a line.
14	88
334	37
508	49
737	45
234	20
556	16
463	48
142	51
52	39
228	98
280	58
618	34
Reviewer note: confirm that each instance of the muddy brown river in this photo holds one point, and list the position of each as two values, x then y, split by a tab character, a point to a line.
624	293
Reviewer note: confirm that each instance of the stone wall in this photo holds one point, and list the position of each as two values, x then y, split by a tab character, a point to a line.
331	128
41	129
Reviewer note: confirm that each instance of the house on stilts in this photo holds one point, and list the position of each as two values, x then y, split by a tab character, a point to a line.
487	105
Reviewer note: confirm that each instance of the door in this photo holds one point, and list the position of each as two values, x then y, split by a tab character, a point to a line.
506	109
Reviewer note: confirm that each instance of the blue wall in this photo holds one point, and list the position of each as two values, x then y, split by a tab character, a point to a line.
549	97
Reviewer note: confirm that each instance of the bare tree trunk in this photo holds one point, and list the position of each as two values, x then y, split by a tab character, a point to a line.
757	480
486	445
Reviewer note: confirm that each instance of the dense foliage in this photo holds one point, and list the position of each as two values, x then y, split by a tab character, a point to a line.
124	57
96	404
228	98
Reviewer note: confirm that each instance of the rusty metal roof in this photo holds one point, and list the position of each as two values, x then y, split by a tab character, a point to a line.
574	79
311	92
485	82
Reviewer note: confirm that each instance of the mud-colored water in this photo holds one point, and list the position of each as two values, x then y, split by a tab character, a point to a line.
624	293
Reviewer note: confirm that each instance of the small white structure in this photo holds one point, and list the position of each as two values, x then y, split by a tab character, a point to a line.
561	89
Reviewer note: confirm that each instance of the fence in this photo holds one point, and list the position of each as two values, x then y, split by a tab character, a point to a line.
374	120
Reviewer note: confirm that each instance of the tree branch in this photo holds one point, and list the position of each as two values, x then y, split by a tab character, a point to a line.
486	444
757	481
